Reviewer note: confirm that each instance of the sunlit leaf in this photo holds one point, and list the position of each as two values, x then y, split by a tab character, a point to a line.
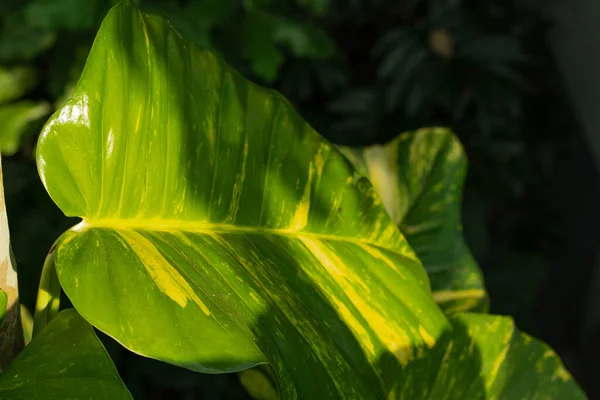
219	230
419	176
66	361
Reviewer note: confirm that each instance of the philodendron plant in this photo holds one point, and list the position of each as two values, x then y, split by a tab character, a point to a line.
220	232
419	177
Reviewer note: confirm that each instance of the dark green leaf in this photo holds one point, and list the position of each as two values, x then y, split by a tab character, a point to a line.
393	62
66	361
303	39
260	47
20	42
64	14
317	7
486	357
482	357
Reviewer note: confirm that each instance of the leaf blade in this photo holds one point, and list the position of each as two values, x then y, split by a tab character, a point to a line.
419	176
65	361
213	214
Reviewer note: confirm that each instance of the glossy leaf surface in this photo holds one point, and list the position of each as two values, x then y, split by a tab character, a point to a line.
66	361
482	357
219	230
419	176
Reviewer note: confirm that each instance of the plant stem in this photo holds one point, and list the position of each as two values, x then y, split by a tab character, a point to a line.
48	299
11	334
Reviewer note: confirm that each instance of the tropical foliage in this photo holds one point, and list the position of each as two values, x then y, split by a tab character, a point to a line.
219	232
419	177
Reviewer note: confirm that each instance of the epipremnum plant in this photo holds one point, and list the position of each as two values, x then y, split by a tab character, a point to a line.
220	232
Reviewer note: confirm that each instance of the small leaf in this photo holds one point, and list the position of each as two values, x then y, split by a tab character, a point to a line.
391	38
14	120
26	323
406	75
419	176
66	361
211	13
354	101
260	47
303	39
63	14
15	82
259	383
20	42
393	62
317	7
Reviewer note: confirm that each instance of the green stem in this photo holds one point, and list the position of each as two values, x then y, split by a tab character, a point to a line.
48	299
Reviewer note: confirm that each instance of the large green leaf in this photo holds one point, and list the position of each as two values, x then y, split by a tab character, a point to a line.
482	357
219	230
66	361
419	176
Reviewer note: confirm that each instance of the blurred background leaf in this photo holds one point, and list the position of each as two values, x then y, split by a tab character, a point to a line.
14	120
15	82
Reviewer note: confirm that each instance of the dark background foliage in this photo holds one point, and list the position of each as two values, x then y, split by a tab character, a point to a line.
361	72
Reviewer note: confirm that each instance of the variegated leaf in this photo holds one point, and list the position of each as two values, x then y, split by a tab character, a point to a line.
419	176
219	231
482	357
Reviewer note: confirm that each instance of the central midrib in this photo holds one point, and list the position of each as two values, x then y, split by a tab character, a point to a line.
160	225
